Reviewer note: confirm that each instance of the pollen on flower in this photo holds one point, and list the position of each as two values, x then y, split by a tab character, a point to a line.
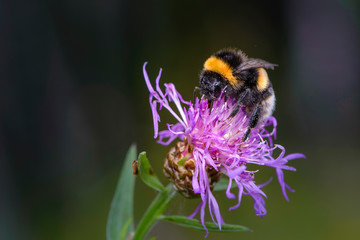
212	144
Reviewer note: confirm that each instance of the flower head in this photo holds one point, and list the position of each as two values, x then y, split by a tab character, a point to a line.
216	141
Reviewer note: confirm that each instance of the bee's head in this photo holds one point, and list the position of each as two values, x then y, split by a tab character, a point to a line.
211	84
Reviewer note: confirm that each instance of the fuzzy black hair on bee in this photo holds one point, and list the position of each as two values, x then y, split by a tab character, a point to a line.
244	79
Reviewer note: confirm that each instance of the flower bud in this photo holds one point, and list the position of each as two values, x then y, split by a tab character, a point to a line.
179	167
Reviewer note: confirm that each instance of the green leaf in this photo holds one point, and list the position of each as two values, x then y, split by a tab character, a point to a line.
196	224
156	208
147	174
223	184
120	220
125	228
152	238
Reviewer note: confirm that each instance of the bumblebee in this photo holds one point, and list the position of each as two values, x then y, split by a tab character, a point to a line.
242	79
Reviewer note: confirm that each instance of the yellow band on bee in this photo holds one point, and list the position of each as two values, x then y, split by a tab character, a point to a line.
263	79
217	65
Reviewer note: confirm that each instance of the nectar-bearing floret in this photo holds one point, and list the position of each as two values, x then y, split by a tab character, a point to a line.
213	141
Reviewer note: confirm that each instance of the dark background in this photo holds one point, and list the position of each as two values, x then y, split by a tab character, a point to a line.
73	99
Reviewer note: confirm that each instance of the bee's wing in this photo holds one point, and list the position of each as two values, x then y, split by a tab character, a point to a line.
252	63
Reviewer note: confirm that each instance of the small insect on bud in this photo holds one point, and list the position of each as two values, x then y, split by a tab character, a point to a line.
135	167
179	168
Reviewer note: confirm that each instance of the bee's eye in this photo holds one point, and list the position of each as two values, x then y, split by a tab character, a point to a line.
216	82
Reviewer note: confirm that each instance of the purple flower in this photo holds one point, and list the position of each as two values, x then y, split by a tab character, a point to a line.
217	143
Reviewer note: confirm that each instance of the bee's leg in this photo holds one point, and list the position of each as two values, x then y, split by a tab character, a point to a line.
254	119
195	90
237	108
211	103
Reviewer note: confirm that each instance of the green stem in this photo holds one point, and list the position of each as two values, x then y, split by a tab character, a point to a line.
155	210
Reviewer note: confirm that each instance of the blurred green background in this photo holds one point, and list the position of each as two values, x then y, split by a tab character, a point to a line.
73	99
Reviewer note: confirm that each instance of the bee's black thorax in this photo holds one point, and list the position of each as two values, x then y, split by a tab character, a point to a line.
231	57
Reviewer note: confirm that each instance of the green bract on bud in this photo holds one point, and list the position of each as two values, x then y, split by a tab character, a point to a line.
179	168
